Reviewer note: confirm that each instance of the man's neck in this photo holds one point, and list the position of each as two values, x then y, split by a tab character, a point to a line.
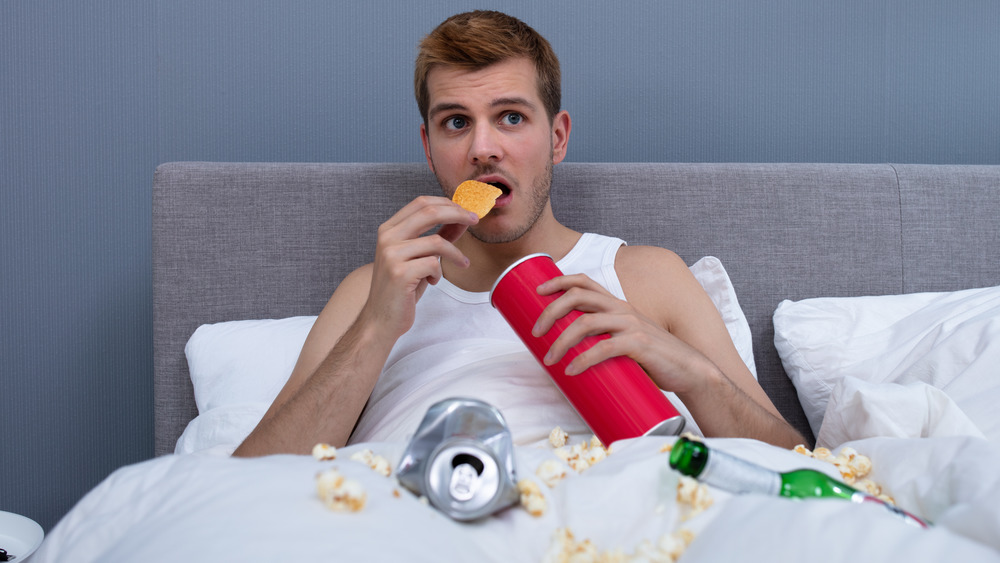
488	261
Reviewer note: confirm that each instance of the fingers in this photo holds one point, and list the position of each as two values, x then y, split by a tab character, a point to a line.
581	293
425	212
433	247
400	237
618	343
604	314
452	231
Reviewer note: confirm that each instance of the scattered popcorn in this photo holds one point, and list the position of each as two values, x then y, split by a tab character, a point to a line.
847	474
573	456
531	497
558	437
551	472
674	545
339	493
801	449
874	489
666	448
694	495
868	486
823	454
324	452
583	455
378	463
566	549
847	451
861	464
668	548
580	456
853	467
594	455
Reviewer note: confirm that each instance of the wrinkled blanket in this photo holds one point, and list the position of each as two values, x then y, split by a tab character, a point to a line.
207	506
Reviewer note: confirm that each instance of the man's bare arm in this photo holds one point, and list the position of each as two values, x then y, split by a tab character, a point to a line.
724	409
344	353
335	373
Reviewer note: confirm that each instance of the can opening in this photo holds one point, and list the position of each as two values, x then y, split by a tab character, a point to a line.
467	459
466	477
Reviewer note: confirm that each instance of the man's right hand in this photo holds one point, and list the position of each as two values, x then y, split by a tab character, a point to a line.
405	261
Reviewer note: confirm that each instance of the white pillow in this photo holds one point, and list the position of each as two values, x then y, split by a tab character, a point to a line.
948	340
242	365
244	362
859	409
713	277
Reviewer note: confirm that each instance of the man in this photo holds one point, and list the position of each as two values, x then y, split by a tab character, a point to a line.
488	89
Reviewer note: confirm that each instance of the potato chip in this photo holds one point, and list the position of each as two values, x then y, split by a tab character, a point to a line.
476	197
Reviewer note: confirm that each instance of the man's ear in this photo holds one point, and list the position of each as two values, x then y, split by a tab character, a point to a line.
561	126
427	146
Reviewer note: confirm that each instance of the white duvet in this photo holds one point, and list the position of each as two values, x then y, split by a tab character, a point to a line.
934	447
210	507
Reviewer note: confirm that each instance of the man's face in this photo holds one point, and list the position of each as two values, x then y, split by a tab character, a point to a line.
490	125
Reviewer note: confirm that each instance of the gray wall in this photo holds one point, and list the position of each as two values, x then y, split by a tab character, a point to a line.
93	95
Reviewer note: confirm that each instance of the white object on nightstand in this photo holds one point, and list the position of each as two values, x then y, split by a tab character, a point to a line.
19	535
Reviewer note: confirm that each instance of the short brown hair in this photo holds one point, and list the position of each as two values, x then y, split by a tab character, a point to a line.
478	39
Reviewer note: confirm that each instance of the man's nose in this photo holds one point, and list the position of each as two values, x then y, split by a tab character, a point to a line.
486	145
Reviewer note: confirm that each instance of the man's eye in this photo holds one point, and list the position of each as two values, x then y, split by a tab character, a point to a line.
455	123
513	118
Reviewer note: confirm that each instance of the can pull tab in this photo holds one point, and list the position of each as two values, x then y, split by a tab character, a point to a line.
465	481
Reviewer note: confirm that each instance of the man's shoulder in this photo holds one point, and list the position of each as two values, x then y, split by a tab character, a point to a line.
656	280
638	259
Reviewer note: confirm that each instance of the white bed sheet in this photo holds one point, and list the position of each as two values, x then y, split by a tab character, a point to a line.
210	507
199	504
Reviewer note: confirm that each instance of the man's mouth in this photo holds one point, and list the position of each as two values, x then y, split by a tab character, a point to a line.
503	187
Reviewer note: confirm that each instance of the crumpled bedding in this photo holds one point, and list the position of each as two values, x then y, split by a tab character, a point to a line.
207	506
202	505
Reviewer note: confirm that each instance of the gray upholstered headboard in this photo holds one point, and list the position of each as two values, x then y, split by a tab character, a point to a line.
251	240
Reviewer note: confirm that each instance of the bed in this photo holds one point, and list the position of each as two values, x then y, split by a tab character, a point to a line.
865	298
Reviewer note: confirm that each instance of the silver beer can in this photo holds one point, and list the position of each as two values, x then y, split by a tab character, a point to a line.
462	459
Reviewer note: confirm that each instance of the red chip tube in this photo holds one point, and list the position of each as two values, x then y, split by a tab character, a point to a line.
616	398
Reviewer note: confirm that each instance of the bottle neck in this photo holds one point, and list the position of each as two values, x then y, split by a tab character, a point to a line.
736	475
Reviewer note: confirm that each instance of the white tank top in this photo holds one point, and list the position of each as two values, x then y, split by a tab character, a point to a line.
460	346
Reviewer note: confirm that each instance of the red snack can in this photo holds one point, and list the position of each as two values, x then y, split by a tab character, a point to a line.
616	398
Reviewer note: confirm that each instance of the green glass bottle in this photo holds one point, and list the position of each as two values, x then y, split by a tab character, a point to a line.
736	475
